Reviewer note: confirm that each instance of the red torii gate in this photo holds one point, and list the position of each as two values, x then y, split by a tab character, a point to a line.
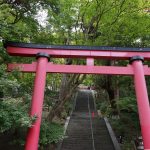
42	66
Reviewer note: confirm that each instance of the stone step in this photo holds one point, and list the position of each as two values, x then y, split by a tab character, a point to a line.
79	134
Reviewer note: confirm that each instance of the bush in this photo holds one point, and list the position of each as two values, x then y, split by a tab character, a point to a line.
50	133
14	115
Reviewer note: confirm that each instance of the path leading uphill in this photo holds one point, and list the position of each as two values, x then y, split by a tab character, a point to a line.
86	131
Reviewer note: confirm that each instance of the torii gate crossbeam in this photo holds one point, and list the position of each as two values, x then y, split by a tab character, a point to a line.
78	69
42	66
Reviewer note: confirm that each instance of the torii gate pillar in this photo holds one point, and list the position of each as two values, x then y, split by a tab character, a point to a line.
37	101
142	99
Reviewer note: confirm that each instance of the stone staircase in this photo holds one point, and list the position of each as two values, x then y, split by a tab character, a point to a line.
86	131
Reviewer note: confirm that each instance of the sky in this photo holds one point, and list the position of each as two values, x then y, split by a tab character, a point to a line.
42	17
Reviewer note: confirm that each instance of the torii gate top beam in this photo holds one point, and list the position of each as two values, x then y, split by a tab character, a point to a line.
71	51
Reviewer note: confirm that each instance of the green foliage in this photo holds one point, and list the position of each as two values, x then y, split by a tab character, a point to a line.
51	133
104	107
129	112
88	81
13	106
127	104
14	115
128	123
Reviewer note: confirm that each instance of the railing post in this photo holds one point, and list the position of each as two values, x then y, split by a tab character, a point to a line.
37	101
142	99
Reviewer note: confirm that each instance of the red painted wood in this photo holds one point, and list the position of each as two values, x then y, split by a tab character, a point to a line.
22	67
142	101
37	103
90	61
54	68
31	52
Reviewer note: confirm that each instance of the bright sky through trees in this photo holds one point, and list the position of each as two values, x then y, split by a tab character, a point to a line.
42	17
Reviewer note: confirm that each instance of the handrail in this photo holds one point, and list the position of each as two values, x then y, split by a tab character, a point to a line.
112	135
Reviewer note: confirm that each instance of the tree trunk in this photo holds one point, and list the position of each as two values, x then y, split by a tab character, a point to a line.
68	86
112	89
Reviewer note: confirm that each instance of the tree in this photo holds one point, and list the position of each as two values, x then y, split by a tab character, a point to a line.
87	22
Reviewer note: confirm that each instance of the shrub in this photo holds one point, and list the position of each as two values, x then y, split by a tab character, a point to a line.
50	133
